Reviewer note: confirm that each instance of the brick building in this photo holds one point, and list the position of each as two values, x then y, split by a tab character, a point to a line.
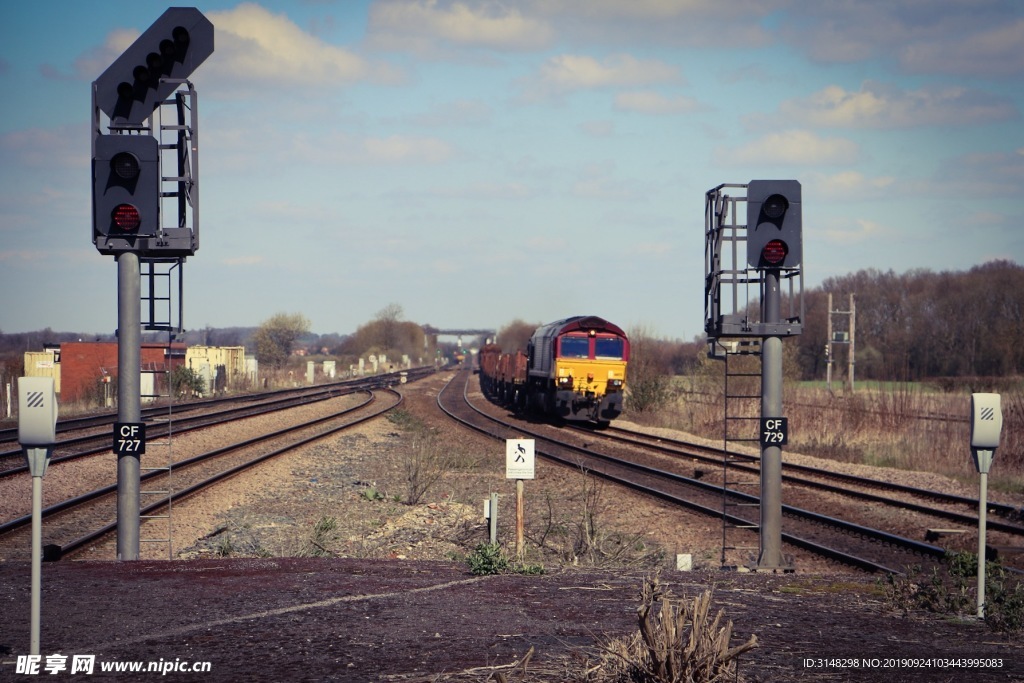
84	365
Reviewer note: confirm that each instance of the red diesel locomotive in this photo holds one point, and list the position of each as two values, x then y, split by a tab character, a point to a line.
574	369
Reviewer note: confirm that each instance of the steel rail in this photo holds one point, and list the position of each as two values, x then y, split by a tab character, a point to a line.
204	420
918	547
1002	509
679	450
91	537
10	434
12	525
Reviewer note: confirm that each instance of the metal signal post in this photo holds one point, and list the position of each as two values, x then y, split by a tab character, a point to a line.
127	191
773	254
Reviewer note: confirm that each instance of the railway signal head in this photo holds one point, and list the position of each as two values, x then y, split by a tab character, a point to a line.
138	81
125	194
774	224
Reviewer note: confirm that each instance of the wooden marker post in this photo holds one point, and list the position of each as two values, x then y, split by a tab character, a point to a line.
519	465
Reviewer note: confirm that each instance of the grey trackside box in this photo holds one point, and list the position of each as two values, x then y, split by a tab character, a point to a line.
37	411
986	421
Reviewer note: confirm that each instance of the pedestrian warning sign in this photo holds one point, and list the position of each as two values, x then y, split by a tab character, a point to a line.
519	458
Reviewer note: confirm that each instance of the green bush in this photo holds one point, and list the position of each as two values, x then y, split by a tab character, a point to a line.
486	559
952	589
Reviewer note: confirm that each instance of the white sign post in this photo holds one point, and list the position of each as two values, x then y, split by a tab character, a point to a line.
519	465
37	433
986	427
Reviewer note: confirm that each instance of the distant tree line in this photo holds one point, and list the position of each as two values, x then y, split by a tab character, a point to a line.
921	324
911	326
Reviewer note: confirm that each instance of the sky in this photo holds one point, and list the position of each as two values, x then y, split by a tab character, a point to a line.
481	161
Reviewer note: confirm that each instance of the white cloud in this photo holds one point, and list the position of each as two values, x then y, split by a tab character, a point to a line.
250	260
63	147
457	113
403	149
793	147
704	23
880	106
600	181
94	62
652	102
975	38
852	231
987	52
256	48
983	174
425	26
598	129
651	250
488	191
339	148
853	186
571	72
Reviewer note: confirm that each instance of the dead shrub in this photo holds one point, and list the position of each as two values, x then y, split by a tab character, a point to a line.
677	642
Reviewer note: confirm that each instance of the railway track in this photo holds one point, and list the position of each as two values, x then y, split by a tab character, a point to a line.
868	489
83	520
854	544
197	415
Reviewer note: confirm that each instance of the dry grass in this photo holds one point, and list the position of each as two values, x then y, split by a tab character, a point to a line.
902	426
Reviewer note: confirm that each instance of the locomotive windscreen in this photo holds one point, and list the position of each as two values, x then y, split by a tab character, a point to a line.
608	347
575	347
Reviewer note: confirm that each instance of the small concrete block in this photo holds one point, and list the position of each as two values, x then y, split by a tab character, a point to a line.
684	562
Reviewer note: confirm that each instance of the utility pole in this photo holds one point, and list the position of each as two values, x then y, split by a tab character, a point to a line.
847	337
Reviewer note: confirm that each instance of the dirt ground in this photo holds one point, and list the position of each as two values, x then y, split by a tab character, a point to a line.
317	568
323	619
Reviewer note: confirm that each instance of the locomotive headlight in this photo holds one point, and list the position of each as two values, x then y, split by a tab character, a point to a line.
565	382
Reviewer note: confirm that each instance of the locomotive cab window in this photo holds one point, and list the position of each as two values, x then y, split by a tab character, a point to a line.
575	347
609	348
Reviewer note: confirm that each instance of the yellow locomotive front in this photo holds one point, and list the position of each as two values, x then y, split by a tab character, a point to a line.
577	369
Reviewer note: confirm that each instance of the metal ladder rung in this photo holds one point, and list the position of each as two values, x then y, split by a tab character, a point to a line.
738	398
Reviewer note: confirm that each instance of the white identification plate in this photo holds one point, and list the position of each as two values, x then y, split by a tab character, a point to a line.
519	458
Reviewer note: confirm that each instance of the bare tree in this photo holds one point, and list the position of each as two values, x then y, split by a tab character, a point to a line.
388	319
648	375
515	335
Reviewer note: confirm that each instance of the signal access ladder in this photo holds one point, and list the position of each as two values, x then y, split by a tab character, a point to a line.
157	302
742	418
159	451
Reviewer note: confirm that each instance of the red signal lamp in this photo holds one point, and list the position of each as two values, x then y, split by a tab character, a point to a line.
774	252
126	218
